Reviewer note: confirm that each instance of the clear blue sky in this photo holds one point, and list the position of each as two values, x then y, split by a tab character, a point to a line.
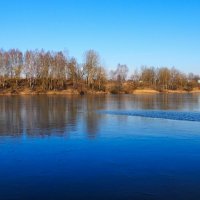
133	32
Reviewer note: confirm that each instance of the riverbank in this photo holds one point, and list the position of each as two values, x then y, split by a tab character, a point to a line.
92	92
49	92
151	91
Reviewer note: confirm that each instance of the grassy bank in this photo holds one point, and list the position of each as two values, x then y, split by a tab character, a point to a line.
149	91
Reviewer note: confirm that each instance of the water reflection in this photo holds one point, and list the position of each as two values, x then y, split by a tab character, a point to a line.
60	115
10	119
48	115
158	102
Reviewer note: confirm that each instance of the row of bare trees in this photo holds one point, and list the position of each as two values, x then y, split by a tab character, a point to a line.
164	78
49	70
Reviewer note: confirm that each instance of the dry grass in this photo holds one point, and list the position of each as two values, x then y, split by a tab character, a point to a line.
26	91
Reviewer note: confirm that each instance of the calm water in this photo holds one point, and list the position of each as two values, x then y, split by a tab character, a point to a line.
105	147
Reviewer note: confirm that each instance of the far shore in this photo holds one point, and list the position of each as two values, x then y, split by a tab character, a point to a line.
76	92
150	91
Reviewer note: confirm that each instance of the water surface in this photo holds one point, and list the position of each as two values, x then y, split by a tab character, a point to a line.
103	147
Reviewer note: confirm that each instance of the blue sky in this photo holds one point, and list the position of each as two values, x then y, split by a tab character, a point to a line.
133	32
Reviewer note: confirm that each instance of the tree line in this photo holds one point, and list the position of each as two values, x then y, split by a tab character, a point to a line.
164	78
41	70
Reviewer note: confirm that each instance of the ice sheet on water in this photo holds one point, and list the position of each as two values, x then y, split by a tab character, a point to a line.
171	115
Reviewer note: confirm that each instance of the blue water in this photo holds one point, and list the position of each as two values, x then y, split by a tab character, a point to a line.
104	147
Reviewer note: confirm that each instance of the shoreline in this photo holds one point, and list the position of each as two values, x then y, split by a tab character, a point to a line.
75	92
151	91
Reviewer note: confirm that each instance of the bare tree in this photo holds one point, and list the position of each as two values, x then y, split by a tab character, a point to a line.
164	76
148	76
100	78
92	61
72	71
119	76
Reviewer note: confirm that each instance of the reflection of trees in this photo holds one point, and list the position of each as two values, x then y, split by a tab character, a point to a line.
42	115
60	115
177	102
50	115
120	101
92	119
10	116
38	115
165	101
